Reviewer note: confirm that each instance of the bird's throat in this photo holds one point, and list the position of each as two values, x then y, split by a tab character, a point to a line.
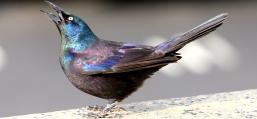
78	44
70	46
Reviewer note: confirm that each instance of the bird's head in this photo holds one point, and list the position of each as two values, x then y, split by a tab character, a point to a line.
70	26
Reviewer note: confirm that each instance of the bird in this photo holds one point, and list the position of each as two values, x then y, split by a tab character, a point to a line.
113	70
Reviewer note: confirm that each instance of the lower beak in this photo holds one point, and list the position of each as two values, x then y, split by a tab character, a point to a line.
55	18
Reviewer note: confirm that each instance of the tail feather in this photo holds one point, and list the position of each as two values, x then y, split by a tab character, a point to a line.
177	42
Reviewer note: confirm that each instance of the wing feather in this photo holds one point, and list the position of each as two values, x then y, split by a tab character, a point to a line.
122	59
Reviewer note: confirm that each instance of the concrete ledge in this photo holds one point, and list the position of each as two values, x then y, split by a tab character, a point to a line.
231	105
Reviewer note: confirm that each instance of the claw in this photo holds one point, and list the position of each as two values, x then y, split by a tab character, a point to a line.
102	112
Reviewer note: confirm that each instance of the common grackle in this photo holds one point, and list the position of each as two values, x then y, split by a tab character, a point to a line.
113	70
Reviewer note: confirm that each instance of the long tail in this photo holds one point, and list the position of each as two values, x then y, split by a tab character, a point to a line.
177	42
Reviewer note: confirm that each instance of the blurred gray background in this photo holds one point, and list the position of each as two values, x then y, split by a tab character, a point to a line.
31	79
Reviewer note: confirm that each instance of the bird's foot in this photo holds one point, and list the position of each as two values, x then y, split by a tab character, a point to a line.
110	113
97	114
94	108
94	111
102	112
105	111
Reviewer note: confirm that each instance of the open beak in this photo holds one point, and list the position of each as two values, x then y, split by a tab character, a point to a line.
58	17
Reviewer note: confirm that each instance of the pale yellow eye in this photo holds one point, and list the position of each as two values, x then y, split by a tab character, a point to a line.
70	18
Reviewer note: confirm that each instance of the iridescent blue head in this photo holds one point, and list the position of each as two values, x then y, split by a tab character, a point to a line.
74	31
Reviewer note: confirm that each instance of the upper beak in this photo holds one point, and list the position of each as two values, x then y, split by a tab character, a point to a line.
55	18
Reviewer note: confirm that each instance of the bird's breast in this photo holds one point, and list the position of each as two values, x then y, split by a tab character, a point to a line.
89	60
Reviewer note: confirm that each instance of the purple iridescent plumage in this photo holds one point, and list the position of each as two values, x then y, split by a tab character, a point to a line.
114	70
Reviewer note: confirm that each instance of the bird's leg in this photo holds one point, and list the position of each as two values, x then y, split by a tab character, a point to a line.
104	111
110	106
